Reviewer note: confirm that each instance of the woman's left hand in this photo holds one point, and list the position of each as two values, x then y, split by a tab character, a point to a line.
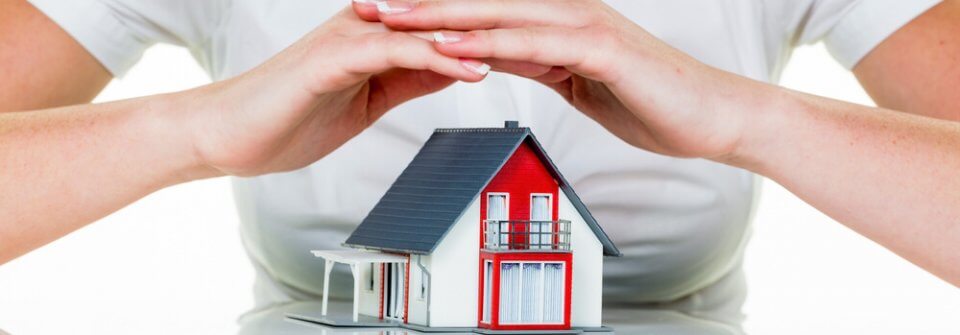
644	91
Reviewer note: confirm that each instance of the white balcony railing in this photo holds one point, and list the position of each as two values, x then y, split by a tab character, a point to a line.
526	235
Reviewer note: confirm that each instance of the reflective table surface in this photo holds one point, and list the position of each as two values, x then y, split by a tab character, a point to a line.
644	321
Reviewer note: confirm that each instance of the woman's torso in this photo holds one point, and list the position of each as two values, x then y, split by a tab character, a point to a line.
681	223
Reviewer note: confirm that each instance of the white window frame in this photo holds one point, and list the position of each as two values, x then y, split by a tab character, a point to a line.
487	291
539	226
504	238
563	288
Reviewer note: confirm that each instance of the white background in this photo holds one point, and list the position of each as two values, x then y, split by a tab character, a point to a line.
172	263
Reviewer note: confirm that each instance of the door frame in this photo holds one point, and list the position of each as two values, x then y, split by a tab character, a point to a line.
397	285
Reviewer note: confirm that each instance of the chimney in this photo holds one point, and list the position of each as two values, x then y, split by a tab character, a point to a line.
511	124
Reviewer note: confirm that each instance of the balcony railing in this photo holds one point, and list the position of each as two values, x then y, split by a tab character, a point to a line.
526	235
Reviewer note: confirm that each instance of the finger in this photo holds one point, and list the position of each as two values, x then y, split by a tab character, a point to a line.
481	14
542	73
522	69
377	53
554	76
540	45
366	10
394	87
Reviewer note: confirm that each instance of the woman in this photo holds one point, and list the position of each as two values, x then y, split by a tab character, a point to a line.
289	93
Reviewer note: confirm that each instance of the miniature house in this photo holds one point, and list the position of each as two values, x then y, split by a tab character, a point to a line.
480	231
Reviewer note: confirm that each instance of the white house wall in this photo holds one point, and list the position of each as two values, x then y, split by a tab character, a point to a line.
587	293
417	313
369	299
453	296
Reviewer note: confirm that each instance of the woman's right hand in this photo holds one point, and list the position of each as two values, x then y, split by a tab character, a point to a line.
314	96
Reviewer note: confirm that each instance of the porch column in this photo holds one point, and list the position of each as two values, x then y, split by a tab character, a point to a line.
356	291
328	266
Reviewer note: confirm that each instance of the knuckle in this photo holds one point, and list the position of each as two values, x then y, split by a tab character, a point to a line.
394	40
367	43
604	35
527	38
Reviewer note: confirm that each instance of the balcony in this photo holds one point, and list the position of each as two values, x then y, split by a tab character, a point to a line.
502	235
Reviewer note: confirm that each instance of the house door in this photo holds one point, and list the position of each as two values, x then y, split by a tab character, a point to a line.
393	291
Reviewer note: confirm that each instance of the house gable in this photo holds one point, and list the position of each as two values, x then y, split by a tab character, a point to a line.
523	176
446	176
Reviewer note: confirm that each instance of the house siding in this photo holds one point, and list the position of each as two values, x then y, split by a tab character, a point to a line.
369	300
522	175
587	296
454	273
417	308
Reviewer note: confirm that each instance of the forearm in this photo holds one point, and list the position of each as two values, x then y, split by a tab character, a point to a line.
890	176
66	167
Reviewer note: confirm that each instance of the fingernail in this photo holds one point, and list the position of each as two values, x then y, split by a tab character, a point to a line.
368	2
447	37
476	66
395	7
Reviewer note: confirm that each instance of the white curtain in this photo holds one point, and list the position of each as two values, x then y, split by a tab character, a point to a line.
396	277
497	207
553	293
532	288
497	210
510	293
531	293
540	211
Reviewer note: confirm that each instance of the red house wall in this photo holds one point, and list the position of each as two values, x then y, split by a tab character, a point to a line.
523	174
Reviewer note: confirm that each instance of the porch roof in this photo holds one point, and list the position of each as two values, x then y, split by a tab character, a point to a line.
358	256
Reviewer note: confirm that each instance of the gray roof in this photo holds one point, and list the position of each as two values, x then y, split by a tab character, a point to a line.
444	178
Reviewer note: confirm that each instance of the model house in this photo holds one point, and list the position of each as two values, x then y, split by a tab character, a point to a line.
479	233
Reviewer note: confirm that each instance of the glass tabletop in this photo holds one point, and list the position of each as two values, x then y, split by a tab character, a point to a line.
623	321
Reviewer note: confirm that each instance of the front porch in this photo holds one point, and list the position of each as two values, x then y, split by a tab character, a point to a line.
356	259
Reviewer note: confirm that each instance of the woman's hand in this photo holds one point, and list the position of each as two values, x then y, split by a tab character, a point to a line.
66	167
314	96
642	90
888	175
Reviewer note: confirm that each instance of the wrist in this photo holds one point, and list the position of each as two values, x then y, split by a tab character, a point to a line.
168	121
766	128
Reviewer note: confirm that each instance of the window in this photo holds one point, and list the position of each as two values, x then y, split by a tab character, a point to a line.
531	293
541	225
497	211
371	277
487	278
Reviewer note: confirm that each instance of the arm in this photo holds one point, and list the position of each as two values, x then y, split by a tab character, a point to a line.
41	66
917	69
64	168
890	176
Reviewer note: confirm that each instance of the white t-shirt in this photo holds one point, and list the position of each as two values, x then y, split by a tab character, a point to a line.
681	223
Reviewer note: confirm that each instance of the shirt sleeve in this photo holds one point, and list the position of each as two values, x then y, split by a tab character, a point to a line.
117	32
851	31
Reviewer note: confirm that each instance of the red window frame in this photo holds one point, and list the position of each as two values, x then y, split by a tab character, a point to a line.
497	258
